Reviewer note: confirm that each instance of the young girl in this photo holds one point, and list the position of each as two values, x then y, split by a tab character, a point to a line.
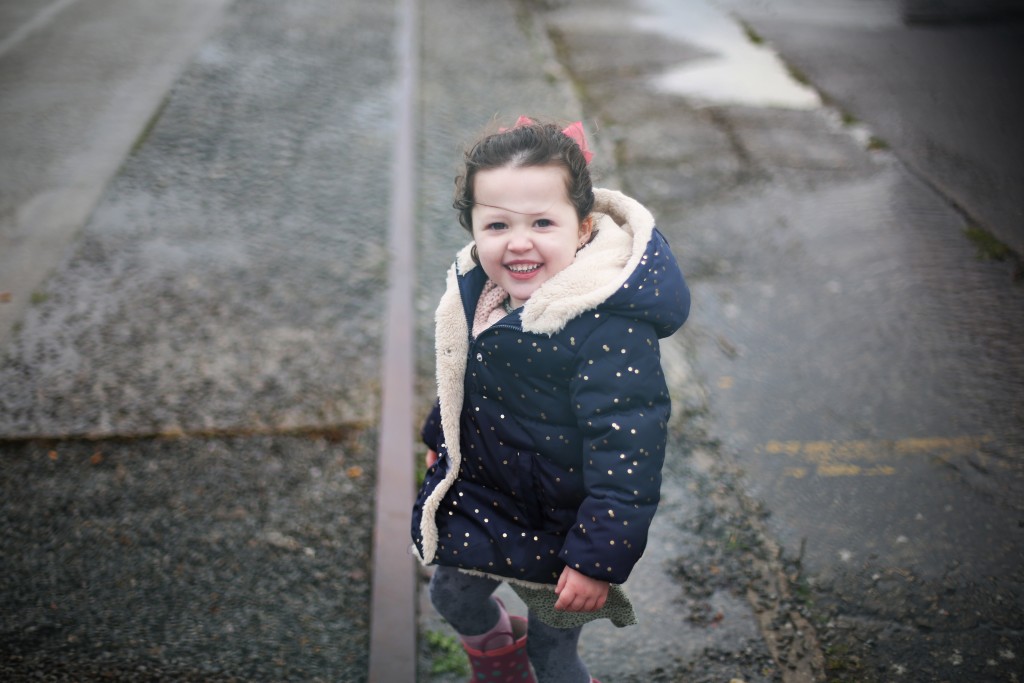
546	445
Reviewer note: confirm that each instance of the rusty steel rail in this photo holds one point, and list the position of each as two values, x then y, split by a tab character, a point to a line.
393	602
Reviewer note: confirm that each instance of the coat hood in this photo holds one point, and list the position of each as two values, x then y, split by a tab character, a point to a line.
627	269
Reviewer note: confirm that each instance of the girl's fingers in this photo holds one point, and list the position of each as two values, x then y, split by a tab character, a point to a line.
578	603
577	593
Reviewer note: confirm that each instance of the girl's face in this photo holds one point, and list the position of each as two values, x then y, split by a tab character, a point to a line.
524	226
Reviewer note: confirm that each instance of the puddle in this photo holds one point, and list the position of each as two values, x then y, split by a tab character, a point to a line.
741	72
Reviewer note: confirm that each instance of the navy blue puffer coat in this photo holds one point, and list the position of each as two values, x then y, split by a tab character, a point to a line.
551	425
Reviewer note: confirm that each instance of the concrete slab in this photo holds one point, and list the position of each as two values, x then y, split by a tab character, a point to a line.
232	276
80	82
941	91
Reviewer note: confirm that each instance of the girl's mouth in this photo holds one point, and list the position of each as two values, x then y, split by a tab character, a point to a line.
522	269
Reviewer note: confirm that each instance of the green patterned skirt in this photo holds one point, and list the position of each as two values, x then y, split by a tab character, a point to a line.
541	603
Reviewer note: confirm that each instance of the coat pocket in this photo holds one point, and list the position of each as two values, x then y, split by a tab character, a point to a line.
558	493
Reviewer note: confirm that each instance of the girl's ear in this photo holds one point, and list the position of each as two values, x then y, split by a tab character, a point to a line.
586	230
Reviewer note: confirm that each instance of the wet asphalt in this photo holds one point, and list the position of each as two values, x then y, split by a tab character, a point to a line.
861	355
189	405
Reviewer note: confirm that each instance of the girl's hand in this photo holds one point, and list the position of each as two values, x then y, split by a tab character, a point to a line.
431	457
580	593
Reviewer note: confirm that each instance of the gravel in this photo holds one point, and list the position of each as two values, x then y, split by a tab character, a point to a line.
186	559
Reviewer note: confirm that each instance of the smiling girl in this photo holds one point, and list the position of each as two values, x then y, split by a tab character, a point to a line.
546	444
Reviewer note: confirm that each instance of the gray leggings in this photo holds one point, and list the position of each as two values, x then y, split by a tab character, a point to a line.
465	601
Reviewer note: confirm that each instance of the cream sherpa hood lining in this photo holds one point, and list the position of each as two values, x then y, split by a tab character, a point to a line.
624	227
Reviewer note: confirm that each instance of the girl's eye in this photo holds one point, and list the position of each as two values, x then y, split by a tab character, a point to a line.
496	226
543	223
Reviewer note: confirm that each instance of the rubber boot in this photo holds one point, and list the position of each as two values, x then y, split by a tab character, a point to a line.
508	664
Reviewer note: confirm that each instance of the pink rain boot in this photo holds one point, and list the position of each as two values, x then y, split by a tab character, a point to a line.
505	664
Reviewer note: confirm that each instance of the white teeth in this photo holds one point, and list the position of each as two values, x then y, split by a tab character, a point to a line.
522	269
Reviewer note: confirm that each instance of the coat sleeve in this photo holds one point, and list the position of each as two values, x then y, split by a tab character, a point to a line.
623	405
431	431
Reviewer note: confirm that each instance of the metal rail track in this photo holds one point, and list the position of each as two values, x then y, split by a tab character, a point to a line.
393	601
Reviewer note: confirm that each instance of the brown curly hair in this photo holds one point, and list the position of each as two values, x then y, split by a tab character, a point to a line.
526	144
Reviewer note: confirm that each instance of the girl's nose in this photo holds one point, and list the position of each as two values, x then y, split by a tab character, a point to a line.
520	240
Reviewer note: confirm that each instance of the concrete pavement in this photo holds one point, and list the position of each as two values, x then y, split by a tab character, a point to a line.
861	363
78	90
936	81
696	623
190	405
160	520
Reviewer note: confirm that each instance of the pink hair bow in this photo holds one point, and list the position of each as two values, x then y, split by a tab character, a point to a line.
523	120
573	130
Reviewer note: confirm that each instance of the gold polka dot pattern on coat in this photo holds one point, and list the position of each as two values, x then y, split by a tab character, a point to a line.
551	426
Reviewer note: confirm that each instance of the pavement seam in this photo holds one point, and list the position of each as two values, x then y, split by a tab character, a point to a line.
331	432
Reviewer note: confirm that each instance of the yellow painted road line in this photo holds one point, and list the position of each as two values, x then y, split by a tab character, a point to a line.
869	457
